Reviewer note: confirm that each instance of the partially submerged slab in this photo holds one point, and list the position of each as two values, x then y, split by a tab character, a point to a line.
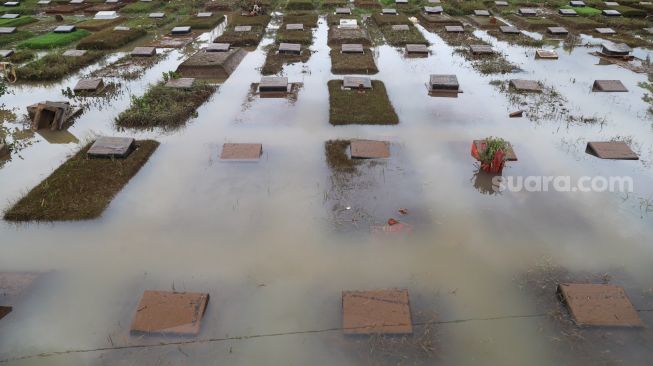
376	312
171	313
369	149
183	83
609	86
212	65
112	147
509	155
143	51
614	150
274	84
481	49
89	85
447	83
74	53
557	30
417	49
526	85
241	151
605	30
615	49
546	54
599	305
508	29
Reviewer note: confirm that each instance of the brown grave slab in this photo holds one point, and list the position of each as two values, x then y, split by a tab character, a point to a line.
527	12
111	147
369	149
417	48
4	310
508	29
376	312
609	86
599	305
439	82
355	82
615	150
241	151
510	154
143	51
454	28
568	12
14	284
343	10
481	49
557	30
290	48
89	85
526	85
352	48
546	54
163	312
181	83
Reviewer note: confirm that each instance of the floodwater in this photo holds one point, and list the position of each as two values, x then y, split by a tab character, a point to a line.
266	240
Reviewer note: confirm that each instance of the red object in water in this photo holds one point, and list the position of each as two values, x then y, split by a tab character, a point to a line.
493	20
392	222
497	163
403	211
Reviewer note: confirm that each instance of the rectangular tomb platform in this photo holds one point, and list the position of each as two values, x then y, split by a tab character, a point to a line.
211	65
295	27
615	49
218	47
7	30
376	312
417	49
614	150
241	151
243	28
527	12
605	30
599	305
369	149
389	11
609	86
558	31
170	313
357	82
180	30
111	147
568	12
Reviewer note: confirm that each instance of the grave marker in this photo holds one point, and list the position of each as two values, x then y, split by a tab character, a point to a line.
568	12
614	150
242	28
389	11
163	312
417	49
481	13
352	48
454	29
369	149
295	27
180	83
546	54
290	48
89	85
111	147
433	9
7	30
400	27
376	312
526	85
143	51
557	30
273	84
343	11
599	305
6	53
443	83
9	16
609	86
64	29
218	47
357	82
180	30
241	151
611	13
481	49
605	31
508	29
74	53
527	12
156	15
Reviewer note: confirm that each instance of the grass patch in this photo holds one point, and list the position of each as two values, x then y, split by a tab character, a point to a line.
353	63
274	61
371	107
54	66
81	188
648	96
330	4
334	19
367	4
304	37
401	38
533	23
300	5
308	19
95	25
165	107
54	40
109	39
339	36
6	39
22	56
260	20
488	64
584	10
579	22
625	23
517	39
459	8
241	39
16	22
382	20
140	7
337	158
629	12
203	23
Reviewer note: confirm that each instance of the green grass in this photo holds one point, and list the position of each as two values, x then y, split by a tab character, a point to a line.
274	61
54	66
300	5
16	22
402	38
353	63
6	39
54	40
330	4
95	25
308	19
382	20
140	7
458	8
304	37
81	188
109	39
165	107
203	23
583	10
22	56
371	107
241	39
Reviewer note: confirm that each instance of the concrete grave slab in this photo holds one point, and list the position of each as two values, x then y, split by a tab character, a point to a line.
546	54
557	31
481	49
439	82
611	3
568	12
357	82
527	12
7	30
401	2
501	3
481	13
417	49
290	48
242	28
389	11
577	3
106	15
204	15
434	1
605	30
241	151
611	13
121	28
295	27
526	85
205	64
76	2
343	11
6	53
11	3
348	24
599	305
64	29
352	48
376	312
143	51
454	29
180	83
74	53
614	150
615	49
89	85
273	84
433	9
43	2
400	27
9	16
218	47
174	313
369	149
112	147
156	15
508	29
609	86
481	146
180	30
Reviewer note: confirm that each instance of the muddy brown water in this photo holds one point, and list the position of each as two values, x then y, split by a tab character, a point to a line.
263	240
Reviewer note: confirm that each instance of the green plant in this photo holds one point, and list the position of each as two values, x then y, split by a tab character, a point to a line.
492	146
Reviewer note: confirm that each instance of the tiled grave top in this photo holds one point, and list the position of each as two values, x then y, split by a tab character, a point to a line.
376	312
163	312
508	29
569	12
181	30
527	11
369	149
611	12
557	30
546	54
241	151
599	305
577	3
273	84
106	15
433	9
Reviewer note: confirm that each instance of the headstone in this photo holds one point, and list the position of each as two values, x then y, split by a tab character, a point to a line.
295	27
389	11
176	313
106	15
599	305
218	47
376	312
241	151
64	29
577	3
348	24
546	54
180	83
605	31
400	27
433	9
6	53
89	85
568	12
443	83
273	84
290	48
352	48
111	1
369	149
501	3
611	13
508	29
615	49
615	150
204	15
454	28
111	147
242	28
157	15
527	12
9	16
180	30
557	30
401	2
526	85
357	82
7	30
343	10
74	53
609	86
481	13
121	28
43	2
11	3
417	49
481	49
143	51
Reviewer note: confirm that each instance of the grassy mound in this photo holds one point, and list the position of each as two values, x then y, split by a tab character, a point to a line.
6	39
303	37
140	7
308	19
382	20
54	40
274	61
261	20
241	39
109	39
203	23
371	107
81	188
353	63
55	66
165	107
95	25
300	5
402	38
16	22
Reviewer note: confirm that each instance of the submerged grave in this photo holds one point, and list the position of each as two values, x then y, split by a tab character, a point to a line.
51	115
420	49
89	85
241	151
290	48
170	313
609	86
522	85
376	312
143	51
444	85
599	305
212	65
353	59
615	49
369	149
614	150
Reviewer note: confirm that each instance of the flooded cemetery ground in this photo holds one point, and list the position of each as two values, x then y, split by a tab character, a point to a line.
297	187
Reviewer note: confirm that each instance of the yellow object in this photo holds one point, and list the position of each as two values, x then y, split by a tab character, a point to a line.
8	71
